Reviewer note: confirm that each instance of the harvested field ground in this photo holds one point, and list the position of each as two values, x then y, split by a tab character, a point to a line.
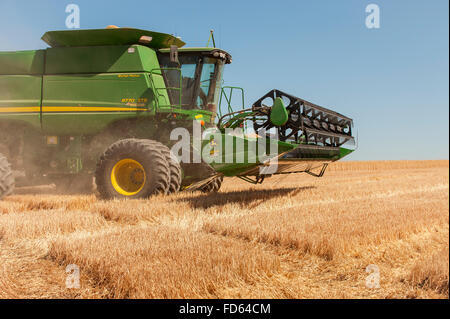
294	236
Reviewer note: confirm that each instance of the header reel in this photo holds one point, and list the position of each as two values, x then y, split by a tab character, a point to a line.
306	123
295	120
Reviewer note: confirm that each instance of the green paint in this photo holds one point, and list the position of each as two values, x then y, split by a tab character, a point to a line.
22	62
99	37
278	114
344	152
101	59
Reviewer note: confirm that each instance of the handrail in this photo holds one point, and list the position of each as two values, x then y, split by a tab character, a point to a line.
156	89
229	106
223	93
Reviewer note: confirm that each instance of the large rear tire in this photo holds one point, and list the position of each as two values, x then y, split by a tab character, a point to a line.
6	177
132	168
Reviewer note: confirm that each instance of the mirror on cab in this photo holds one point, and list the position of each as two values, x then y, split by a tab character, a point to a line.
174	54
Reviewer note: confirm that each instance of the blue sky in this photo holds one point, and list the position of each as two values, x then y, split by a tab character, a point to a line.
393	81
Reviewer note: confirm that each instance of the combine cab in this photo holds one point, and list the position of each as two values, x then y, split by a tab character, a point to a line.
107	108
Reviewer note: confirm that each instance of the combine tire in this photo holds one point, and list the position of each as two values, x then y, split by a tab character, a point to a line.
174	166
213	186
175	170
132	168
6	177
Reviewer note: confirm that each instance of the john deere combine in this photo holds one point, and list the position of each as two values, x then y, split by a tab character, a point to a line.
108	104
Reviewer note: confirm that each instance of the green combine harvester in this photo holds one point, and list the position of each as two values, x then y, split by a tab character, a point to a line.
103	105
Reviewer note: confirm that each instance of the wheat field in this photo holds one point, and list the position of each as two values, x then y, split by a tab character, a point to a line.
294	236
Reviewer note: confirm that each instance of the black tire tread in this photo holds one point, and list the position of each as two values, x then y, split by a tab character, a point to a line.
160	167
175	170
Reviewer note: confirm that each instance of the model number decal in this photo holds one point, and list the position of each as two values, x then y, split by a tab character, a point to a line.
140	100
128	75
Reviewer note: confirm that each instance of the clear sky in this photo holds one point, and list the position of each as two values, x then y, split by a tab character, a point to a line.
393	81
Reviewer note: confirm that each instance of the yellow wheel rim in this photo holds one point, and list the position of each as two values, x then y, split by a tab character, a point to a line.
128	177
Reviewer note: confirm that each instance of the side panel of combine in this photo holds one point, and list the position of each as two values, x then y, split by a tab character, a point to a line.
86	104
87	88
20	85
